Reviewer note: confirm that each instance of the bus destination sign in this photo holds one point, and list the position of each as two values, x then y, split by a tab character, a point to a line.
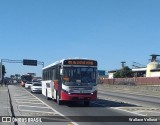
80	62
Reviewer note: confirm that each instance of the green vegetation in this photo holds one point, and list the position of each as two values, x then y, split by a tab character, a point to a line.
125	72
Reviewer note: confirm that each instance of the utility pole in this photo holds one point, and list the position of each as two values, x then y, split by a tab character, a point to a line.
1	70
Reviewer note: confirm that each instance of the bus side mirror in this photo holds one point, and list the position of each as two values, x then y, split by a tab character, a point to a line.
61	71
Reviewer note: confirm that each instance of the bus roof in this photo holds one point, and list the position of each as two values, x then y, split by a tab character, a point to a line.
53	64
63	60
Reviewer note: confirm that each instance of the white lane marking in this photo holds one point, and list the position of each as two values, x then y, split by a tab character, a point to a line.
148	111
27	99
51	108
38	111
34	100
17	95
28	102
118	108
22	97
32	106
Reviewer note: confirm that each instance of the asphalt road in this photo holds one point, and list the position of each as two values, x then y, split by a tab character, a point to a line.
105	108
138	99
99	108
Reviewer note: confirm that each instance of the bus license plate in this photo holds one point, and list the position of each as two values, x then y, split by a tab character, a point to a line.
81	97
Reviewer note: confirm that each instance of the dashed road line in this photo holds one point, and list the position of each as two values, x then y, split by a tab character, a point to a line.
37	111
34	101
51	107
31	106
28	102
117	108
39	114
27	99
20	95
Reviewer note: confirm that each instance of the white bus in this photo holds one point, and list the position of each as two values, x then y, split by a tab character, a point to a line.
70	80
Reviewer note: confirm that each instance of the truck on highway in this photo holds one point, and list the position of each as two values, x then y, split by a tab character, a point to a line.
25	78
70	80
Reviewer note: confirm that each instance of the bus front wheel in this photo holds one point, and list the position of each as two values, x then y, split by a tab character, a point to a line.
86	103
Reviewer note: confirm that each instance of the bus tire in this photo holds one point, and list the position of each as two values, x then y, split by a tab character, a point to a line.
47	95
86	103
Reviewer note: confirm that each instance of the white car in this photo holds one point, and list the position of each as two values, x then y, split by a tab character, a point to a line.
28	85
36	87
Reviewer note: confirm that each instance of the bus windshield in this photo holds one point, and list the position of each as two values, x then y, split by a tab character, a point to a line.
79	76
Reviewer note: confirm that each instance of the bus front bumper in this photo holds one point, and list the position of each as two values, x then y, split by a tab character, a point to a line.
78	96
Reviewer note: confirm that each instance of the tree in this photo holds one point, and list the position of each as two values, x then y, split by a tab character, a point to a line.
17	76
12	76
117	74
125	72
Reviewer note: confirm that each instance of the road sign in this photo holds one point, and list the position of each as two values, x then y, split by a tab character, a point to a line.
30	62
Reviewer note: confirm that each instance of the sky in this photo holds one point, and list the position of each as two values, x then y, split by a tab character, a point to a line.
109	31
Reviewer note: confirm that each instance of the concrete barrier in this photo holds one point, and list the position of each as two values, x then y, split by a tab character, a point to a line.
131	81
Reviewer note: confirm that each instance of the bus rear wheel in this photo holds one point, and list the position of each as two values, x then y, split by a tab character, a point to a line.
47	95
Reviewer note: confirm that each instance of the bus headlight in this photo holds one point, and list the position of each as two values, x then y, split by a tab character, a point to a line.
65	91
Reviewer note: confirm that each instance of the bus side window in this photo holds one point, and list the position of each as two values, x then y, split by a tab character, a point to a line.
54	74
48	85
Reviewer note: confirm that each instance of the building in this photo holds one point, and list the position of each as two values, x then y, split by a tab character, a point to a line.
111	73
139	72
151	70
